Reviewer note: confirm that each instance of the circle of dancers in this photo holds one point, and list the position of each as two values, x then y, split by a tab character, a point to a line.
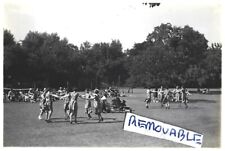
93	99
166	95
71	104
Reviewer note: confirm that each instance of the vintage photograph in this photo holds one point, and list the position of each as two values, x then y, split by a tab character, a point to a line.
112	73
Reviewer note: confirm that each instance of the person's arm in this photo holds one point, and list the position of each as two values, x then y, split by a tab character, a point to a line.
81	96
188	93
66	95
54	95
91	97
165	97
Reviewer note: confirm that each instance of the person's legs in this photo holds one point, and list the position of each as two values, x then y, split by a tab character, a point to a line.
47	113
40	114
185	103
42	109
168	104
66	110
71	116
88	110
98	112
146	105
100	118
75	111
50	110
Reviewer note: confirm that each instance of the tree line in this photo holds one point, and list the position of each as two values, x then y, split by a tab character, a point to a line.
169	56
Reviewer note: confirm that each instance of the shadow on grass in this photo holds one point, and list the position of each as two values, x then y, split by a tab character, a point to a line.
175	107
96	122
202	100
62	118
209	93
87	121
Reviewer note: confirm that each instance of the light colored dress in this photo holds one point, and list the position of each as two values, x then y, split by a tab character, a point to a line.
87	97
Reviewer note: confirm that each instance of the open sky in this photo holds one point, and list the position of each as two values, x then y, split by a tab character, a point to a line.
104	20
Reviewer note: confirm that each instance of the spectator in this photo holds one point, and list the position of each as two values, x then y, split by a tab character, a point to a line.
11	95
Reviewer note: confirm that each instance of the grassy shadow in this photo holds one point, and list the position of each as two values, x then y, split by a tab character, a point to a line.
80	121
213	92
202	100
174	106
96	122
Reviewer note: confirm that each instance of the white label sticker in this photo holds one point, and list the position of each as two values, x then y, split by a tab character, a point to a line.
150	127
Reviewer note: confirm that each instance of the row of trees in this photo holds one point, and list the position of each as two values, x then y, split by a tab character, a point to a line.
44	59
169	56
175	56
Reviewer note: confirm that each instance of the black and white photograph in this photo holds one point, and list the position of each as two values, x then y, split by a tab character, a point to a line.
112	73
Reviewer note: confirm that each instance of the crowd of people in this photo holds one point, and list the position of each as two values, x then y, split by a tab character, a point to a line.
114	92
34	95
166	95
95	99
70	103
27	95
47	96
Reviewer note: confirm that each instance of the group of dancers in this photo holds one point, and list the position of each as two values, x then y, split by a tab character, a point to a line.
71	104
166	95
97	100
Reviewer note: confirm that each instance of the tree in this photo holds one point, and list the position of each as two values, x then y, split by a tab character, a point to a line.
103	64
9	47
193	45
9	39
152	68
52	61
115	50
212	64
170	56
14	60
161	35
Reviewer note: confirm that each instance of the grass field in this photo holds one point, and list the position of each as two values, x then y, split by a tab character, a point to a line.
22	127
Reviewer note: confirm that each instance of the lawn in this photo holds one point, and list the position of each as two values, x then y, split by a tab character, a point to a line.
22	127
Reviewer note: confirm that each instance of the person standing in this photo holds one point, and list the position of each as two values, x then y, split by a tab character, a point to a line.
97	105
184	98
177	92
49	105
148	100
66	99
11	95
73	105
42	104
87	105
104	102
160	94
46	105
167	98
36	95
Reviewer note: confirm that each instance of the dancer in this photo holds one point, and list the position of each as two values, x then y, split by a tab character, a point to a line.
97	105
87	105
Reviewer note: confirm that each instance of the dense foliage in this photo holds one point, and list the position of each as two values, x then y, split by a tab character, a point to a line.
169	56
